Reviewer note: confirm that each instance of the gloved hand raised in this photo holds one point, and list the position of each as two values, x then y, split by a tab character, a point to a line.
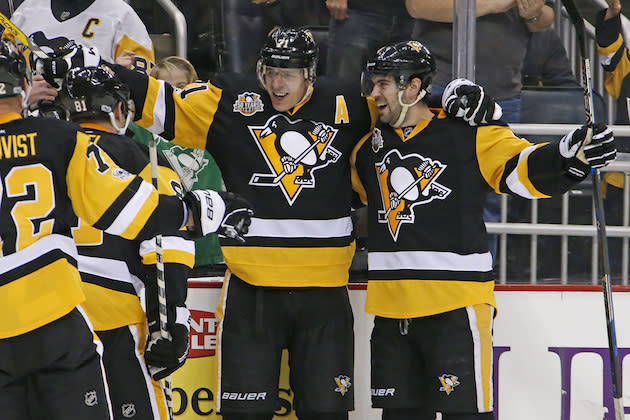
583	151
464	99
225	213
63	54
165	355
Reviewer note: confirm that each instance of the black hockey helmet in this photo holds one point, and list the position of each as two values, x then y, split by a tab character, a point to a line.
94	92
289	47
13	69
403	61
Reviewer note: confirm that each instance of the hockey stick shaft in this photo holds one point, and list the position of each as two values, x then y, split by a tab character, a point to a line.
21	36
598	204
11	7
161	281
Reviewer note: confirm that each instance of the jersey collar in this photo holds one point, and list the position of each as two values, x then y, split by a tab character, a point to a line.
94	126
438	113
305	99
8	117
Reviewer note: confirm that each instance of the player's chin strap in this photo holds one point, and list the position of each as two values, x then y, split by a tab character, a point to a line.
128	119
405	107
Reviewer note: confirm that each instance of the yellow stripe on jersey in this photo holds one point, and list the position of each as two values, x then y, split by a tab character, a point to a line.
495	147
417	298
83	181
171	256
290	267
195	107
357	185
484	315
166	177
614	79
109	309
144	56
39	298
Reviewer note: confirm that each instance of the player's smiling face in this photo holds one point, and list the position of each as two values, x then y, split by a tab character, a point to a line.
286	87
385	93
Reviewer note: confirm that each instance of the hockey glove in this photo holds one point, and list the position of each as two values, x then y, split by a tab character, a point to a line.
582	151
225	213
165	355
464	99
62	58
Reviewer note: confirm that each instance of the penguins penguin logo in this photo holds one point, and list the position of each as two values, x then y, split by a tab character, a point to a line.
406	182
293	150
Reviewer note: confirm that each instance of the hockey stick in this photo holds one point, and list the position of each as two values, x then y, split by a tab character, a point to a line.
587	81
271	180
11	7
161	282
21	36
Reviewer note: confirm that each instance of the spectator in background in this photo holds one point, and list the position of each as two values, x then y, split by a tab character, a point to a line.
503	31
358	28
177	71
195	167
112	26
546	62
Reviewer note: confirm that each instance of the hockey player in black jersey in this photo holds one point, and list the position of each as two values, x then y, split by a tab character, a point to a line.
49	174
114	270
283	140
431	284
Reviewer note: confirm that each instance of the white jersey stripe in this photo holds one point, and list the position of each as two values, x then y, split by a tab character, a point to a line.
129	212
174	243
513	181
159	111
110	269
429	260
474	329
294	228
42	246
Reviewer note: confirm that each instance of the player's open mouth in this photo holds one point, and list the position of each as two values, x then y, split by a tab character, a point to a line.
280	95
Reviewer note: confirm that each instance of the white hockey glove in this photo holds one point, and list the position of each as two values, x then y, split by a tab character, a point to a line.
583	152
464	99
165	355
62	59
225	213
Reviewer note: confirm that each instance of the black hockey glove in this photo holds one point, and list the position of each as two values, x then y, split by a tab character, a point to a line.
583	152
225	213
63	54
464	99
165	355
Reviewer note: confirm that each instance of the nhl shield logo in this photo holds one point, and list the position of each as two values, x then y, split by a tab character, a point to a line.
91	399
294	151
248	103
405	182
128	410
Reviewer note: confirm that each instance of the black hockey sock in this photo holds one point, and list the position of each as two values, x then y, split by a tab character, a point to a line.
406	414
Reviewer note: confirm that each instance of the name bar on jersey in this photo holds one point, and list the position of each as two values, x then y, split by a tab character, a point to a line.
294	228
429	260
